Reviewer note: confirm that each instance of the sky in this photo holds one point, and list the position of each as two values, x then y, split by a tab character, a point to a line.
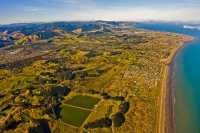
17	11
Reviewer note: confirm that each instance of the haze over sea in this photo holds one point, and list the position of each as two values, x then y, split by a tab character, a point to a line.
186	76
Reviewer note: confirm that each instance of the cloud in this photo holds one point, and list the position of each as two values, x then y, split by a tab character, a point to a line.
31	9
88	9
34	9
92	9
67	3
121	13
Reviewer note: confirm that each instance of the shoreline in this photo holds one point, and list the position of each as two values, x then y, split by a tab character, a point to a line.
166	111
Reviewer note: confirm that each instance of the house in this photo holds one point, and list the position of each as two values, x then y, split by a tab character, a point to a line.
2	118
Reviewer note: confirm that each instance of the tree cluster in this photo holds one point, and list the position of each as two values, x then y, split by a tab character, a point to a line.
46	34
91	54
115	52
65	73
99	123
40	80
36	129
118	98
58	90
94	92
41	126
90	27
106	96
52	81
51	104
118	119
46	74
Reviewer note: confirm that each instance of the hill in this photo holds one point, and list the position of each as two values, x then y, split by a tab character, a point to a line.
14	33
27	40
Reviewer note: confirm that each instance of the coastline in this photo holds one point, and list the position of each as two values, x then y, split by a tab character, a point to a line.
166	111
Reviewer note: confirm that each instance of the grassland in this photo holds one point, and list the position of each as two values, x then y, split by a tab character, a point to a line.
120	66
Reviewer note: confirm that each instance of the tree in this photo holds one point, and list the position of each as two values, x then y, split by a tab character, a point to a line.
124	107
106	97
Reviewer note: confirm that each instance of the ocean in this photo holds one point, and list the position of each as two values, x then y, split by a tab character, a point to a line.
1	45
186	76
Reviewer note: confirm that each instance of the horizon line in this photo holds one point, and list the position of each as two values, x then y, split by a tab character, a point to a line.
93	20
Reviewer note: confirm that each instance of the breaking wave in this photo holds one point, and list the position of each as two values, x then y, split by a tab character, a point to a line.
191	27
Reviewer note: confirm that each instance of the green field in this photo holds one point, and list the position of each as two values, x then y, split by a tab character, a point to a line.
73	116
83	101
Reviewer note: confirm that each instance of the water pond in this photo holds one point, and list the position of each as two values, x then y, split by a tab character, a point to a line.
83	101
73	116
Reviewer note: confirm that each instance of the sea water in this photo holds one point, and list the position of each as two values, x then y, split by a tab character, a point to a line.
186	76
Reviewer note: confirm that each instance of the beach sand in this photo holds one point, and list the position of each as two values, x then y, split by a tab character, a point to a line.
166	114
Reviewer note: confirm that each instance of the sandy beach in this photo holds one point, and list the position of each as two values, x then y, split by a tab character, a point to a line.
166	121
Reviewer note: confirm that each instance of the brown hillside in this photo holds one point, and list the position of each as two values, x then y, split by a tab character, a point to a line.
60	32
18	35
27	40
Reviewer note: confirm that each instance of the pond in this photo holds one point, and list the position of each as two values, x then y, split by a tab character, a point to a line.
73	116
83	101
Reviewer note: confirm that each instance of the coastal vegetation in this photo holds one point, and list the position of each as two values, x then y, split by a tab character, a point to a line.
83	77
